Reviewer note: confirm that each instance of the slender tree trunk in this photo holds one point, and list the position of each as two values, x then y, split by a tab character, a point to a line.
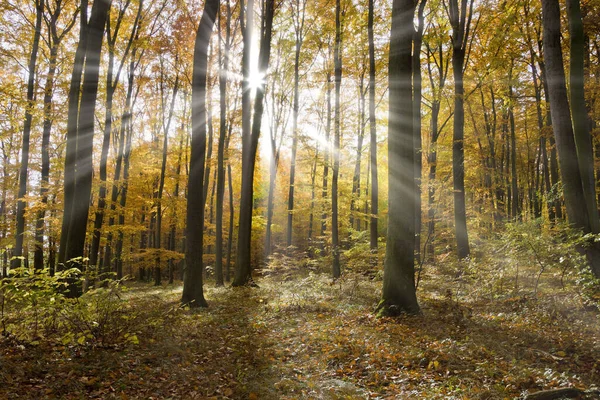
121	167
299	33
313	191
417	87
24	168
242	264
173	228
355	221
326	157
337	59
112	80
515	204
192	281
71	150
563	130
583	139
231	220
85	135
398	294
373	132
161	186
38	261
460	23
223	75
243	268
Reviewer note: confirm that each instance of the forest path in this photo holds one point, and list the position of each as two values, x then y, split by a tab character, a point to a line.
300	336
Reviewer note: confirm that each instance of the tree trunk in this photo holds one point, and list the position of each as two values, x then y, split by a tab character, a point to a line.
355	221
417	83
313	192
24	168
399	272
243	268
579	113
193	294
242	264
299	34
71	150
38	260
85	136
223	75
460	24
373	132
161	185
326	158
337	59
515	204
563	130
112	80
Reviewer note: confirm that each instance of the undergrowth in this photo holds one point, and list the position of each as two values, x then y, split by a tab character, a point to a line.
518	317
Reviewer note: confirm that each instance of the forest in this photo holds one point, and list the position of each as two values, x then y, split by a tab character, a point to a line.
288	199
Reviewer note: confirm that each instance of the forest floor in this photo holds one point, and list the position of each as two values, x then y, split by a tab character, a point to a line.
301	336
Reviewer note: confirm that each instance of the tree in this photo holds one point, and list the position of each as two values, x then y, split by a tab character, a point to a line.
399	294
112	80
193	293
243	266
55	38
80	136
23	170
373	131
439	71
460	20
161	180
418	97
337	62
579	112
575	200
298	15
223	76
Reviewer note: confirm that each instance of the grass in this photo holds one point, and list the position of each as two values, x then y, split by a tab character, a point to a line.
301	336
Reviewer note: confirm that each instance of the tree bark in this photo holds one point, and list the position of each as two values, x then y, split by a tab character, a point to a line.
299	34
85	136
54	40
579	113
575	202
460	21
24	168
71	150
399	294
373	132
161	185
193	294
417	93
243	266
337	60
112	80
223	75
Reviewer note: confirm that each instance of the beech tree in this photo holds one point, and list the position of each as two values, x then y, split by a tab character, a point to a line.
298	17
193	293
80	134
373	224
243	266
575	200
399	294
337	62
460	20
23	171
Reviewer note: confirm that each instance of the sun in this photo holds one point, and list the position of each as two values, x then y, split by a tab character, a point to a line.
256	80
